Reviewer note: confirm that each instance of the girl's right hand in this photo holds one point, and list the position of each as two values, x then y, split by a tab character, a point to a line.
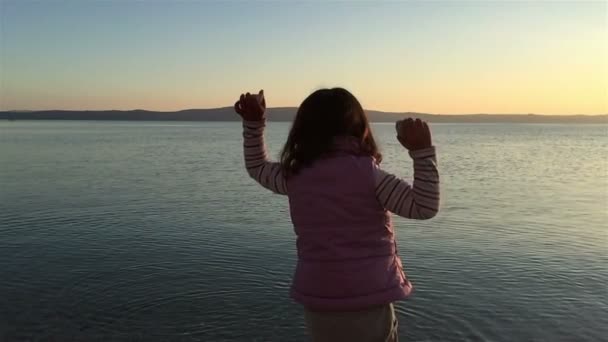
413	134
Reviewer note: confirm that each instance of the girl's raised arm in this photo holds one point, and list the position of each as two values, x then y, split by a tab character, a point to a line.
269	174
417	201
421	199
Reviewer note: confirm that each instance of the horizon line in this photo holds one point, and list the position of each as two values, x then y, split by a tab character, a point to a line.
282	107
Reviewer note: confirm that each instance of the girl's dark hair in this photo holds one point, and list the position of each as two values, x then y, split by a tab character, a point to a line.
323	116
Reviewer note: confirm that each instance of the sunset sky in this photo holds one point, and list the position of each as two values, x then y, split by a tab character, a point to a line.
435	57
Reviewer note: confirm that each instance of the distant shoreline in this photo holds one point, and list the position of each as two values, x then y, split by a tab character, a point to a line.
286	114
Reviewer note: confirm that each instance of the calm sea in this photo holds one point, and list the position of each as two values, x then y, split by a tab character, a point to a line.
144	231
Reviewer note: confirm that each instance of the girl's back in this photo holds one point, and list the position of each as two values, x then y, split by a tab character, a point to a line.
346	250
348	270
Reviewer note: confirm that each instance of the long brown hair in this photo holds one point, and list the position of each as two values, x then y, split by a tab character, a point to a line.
324	115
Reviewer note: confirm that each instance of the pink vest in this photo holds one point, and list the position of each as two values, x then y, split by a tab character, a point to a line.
347	256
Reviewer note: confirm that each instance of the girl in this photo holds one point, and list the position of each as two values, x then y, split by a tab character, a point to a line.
348	272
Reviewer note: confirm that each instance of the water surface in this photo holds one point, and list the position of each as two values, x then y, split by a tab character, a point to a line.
122	231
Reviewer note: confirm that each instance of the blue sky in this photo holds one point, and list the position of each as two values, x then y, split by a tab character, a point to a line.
439	56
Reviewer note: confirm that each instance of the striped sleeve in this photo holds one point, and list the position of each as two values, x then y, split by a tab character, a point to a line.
417	201
268	174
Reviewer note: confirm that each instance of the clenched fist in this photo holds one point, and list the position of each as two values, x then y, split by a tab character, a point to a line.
251	107
413	134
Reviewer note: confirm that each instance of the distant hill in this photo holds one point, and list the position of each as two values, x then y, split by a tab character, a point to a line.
287	114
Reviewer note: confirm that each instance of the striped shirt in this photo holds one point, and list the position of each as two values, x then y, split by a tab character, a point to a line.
420	200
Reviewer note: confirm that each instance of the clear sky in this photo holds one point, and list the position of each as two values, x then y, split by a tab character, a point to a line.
436	57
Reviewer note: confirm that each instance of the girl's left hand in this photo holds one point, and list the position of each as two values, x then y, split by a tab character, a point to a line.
251	107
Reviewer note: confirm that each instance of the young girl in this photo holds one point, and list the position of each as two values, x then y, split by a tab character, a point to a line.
348	272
